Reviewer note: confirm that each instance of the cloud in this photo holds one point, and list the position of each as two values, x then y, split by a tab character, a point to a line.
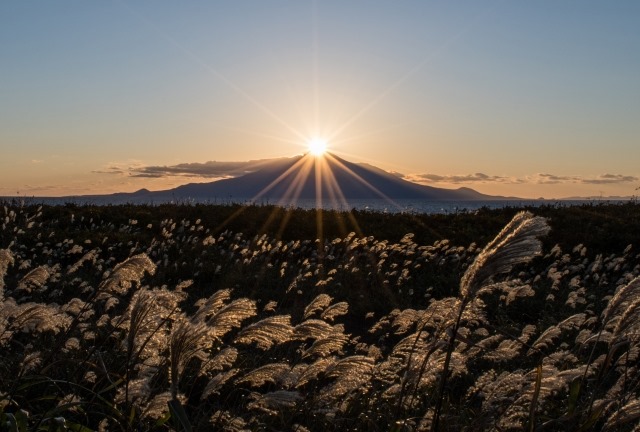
539	178
467	178
398	174
601	179
611	179
215	169
111	170
211	169
543	178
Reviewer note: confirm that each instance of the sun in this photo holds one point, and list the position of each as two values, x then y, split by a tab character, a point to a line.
317	146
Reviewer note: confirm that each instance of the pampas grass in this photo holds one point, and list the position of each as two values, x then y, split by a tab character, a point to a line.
171	325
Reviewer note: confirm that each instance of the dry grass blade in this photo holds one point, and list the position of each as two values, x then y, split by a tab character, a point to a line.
534	398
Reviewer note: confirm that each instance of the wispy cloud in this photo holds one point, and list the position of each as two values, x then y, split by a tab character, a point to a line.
211	169
217	170
544	178
466	178
539	178
600	179
611	179
111	170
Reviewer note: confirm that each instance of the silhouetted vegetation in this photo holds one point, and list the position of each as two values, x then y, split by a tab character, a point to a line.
253	318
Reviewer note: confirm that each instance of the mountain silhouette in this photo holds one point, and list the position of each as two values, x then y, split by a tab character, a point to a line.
327	178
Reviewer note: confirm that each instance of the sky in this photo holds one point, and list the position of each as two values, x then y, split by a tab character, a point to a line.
528	99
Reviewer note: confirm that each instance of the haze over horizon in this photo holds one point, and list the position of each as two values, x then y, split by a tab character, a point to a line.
517	99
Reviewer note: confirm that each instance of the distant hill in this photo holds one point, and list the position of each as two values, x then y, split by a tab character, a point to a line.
329	178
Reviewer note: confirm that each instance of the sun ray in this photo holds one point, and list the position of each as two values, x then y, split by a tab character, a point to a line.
363	181
222	77
410	72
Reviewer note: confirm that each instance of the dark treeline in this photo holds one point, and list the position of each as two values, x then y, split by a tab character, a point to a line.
601	227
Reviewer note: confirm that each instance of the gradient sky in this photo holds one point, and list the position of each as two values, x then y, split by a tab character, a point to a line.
515	98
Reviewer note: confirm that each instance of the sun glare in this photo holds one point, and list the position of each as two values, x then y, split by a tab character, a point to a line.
317	146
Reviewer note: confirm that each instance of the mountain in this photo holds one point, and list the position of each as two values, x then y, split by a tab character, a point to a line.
329	178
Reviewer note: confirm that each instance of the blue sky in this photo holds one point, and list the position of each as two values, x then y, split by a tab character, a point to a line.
516	98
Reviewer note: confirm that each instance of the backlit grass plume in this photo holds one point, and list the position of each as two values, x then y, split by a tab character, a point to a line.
517	243
127	273
202	328
6	259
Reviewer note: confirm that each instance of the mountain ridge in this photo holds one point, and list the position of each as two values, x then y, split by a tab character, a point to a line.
304	177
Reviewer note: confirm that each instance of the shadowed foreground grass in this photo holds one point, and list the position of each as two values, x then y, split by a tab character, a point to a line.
204	317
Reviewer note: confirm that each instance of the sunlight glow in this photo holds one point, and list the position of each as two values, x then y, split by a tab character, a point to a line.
317	146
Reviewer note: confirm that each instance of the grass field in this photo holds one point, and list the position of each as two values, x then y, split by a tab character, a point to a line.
260	318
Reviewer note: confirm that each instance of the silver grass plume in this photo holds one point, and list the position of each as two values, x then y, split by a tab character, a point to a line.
354	365
89	256
327	346
274	402
267	332
508	349
553	332
211	305
6	259
317	304
78	308
224	359
517	243
626	414
37	317
223	420
187	341
36	278
622	299
145	320
228	317
128	272
336	310
312	329
274	373
215	384
311	372
408	346
156	407
628	323
406	320
351	374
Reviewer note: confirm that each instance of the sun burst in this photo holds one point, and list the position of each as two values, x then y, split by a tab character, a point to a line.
317	146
